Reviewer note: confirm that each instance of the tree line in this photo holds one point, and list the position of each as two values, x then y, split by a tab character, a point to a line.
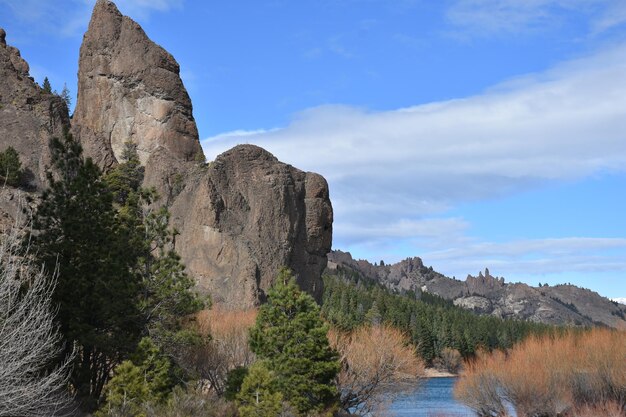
434	324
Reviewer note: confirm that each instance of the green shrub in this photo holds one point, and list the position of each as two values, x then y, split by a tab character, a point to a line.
144	379
10	167
258	396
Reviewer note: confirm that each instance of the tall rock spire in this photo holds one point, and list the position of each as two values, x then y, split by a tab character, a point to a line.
242	217
129	88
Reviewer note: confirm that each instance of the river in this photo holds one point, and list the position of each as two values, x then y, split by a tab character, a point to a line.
432	398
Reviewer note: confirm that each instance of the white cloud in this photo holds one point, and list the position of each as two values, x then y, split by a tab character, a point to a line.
394	174
620	300
566	123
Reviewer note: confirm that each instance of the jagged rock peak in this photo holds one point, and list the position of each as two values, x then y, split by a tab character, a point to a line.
129	88
3	37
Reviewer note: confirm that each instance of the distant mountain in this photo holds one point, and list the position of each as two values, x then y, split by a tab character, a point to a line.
486	294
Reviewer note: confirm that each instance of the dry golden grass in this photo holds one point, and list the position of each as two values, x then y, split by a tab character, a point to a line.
575	374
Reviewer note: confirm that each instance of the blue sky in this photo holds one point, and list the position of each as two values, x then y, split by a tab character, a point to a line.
471	133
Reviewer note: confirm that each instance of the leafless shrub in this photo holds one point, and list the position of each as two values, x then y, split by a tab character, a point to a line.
226	346
375	361
479	387
449	360
29	339
551	376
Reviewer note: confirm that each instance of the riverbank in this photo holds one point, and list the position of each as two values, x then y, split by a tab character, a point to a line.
436	373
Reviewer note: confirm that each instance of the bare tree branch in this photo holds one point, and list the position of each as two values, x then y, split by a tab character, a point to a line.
29	338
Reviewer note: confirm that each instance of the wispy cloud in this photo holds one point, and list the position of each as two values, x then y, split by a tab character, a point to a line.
612	17
394	174
535	256
70	17
488	17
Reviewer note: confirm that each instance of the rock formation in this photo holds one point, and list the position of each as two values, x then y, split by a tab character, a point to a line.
245	218
129	89
29	117
486	294
240	218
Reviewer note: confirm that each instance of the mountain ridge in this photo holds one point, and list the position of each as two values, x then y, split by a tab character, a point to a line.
485	294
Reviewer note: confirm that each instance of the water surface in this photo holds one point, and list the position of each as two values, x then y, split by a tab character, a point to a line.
432	398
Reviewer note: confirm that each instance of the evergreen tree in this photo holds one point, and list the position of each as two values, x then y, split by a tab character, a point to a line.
291	337
145	378
65	95
10	167
166	293
46	86
234	381
258	396
77	233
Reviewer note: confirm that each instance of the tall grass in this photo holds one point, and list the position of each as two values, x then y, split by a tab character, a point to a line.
576	374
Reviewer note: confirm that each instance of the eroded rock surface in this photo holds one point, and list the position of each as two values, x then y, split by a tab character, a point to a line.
29	117
129	89
248	216
241	218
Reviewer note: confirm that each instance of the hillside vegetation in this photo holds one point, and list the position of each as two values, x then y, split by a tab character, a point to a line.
435	326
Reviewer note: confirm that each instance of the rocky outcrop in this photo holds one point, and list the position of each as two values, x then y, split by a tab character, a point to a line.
29	117
248	216
486	294
240	218
129	89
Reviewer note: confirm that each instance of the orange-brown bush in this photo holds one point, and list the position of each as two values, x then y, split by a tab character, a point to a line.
573	374
374	361
226	346
449	360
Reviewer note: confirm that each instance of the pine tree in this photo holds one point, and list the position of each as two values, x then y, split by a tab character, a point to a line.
77	233
258	396
291	337
65	95
46	86
145	378
10	167
166	291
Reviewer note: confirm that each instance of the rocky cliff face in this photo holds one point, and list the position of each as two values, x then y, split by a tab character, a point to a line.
242	217
245	218
486	294
129	89
29	117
